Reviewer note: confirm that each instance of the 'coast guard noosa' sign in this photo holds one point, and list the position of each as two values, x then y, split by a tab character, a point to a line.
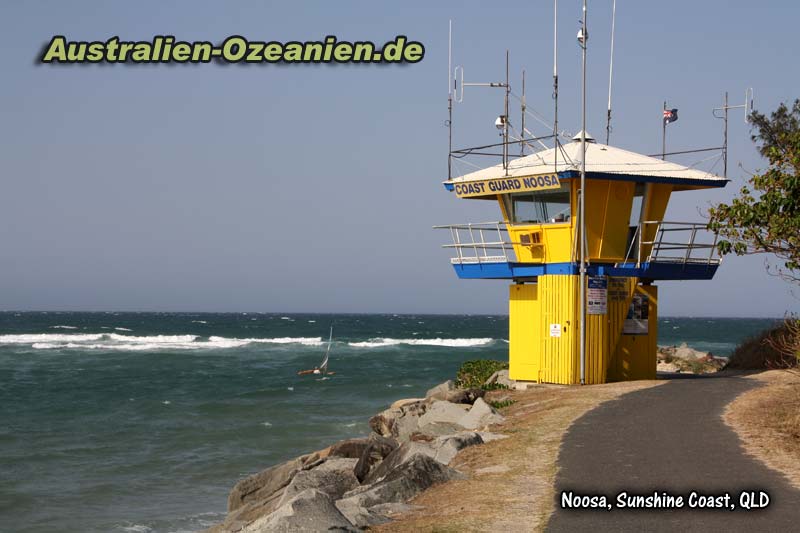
506	185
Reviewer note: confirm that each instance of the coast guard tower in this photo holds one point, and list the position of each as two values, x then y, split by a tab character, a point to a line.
582	238
629	247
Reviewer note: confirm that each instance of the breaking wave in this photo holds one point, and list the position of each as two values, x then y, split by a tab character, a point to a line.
453	343
116	341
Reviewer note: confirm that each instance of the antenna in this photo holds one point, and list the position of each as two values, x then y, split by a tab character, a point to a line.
611	69
502	121
748	110
522	120
450	102
555	85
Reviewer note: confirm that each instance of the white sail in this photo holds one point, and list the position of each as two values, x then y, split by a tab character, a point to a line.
324	365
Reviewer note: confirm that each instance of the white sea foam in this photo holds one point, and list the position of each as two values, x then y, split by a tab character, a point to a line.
143	343
137	528
199	322
453	343
123	329
63	327
29	338
234	343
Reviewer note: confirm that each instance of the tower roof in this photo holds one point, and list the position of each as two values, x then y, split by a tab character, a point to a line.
602	162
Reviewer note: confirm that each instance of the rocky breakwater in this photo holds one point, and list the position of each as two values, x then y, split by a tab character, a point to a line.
360	482
685	359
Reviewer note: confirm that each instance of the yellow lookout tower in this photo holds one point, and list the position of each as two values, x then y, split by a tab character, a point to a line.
628	248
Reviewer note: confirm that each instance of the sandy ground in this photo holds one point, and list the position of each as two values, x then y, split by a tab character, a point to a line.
767	420
510	485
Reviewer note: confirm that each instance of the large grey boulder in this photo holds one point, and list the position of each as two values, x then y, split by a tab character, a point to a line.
480	416
440	391
465	395
309	511
413	476
448	392
501	378
350	448
365	517
334	477
448	446
441	449
264	484
376	451
397	458
399	422
442	411
359	516
429	432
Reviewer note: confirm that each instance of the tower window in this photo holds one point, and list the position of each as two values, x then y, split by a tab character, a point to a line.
545	207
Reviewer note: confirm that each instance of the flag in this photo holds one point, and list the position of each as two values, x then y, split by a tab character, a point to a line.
670	115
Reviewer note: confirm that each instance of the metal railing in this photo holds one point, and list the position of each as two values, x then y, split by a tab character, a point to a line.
668	244
480	242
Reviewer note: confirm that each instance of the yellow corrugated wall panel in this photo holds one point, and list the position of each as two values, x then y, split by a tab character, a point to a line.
620	293
537	353
524	355
634	356
559	301
649	361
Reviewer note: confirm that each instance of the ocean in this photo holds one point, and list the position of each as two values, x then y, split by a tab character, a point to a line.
143	422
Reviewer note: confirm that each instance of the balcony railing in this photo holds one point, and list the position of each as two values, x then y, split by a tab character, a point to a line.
673	242
663	242
480	242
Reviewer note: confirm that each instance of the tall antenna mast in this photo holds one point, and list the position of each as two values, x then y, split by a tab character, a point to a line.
748	110
583	37
505	122
450	102
522	121
555	85
611	70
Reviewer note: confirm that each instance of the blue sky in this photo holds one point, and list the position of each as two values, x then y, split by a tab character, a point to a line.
314	188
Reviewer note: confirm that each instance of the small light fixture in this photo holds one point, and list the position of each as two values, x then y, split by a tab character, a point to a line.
500	123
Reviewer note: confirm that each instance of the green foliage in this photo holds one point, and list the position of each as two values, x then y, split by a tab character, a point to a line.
765	217
494	386
473	374
499	404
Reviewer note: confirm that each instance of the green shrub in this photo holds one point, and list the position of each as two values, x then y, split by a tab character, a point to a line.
499	404
473	374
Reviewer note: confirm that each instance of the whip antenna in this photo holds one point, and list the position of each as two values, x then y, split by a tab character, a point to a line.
611	70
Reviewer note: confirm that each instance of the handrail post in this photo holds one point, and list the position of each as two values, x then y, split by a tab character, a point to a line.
713	247
640	233
457	242
690	246
660	232
474	244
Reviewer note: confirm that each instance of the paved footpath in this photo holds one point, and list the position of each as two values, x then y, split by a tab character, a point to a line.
668	438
